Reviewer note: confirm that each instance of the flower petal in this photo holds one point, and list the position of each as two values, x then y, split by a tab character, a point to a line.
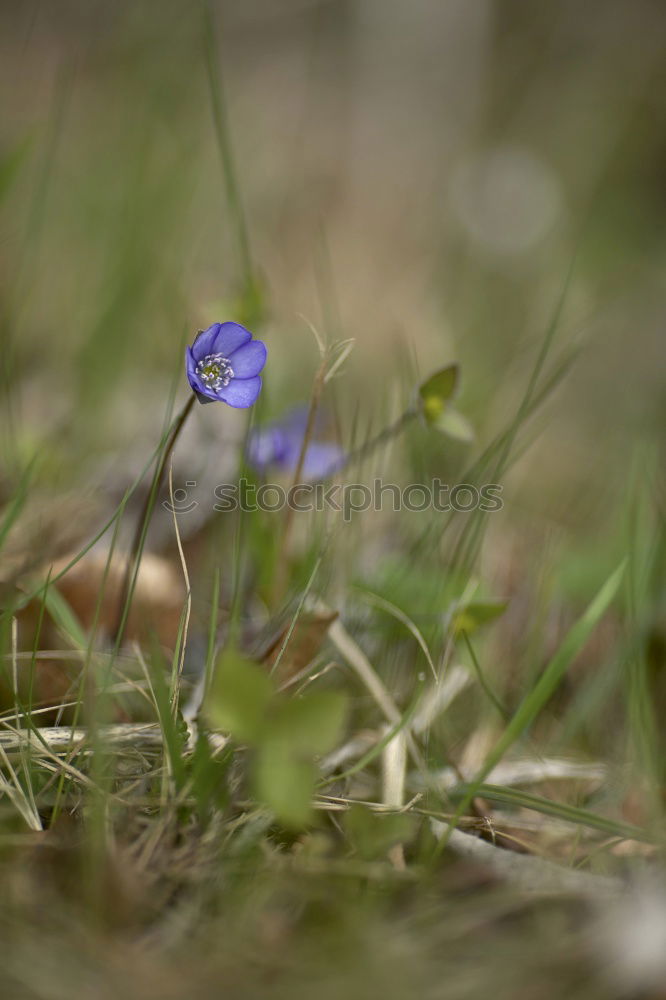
203	344
229	337
241	392
265	447
248	360
322	459
190	368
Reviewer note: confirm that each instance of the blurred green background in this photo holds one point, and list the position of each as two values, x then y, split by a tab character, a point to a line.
419	176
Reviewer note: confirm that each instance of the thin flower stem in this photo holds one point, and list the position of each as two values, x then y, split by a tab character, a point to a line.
283	558
134	558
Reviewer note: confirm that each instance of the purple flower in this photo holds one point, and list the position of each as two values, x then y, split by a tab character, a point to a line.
279	445
224	363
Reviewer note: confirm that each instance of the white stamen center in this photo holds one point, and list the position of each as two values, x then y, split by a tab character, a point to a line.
215	371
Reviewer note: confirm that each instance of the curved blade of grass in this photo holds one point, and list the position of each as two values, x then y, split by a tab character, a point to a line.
62	614
396	612
542	691
485	686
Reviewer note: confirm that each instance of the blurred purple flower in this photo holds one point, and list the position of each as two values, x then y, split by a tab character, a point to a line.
279	445
224	363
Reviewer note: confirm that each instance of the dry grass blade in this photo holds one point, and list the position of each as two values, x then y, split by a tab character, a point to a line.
394	769
16	794
357	659
526	771
63	739
175	691
361	665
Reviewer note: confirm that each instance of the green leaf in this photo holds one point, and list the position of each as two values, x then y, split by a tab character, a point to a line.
285	783
437	390
452	423
309	725
374	833
470	617
239	698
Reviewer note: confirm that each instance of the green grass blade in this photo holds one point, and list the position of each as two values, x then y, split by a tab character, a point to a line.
544	688
62	614
567	813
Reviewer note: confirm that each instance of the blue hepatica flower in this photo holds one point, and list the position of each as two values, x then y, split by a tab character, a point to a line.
278	445
224	363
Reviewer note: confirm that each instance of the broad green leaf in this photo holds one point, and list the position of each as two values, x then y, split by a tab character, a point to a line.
471	616
309	725
284	782
374	833
437	390
239	698
452	423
